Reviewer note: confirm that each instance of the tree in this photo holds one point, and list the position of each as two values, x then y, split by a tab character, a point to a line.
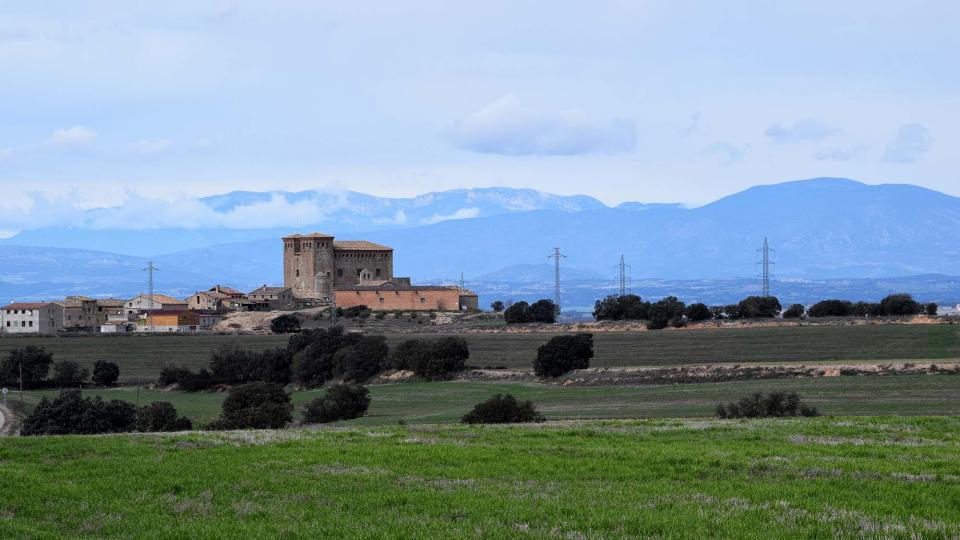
105	373
432	359
623	307
759	307
69	373
285	324
313	354
497	306
732	312
516	313
795	311
664	313
35	363
502	409
161	416
698	312
900	304
866	309
831	308
69	413
230	365
542	311
772	405
363	359
256	405
562	354
339	402
931	309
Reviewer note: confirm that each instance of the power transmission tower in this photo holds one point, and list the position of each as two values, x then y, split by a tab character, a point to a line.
622	266
556	256
462	284
150	269
765	263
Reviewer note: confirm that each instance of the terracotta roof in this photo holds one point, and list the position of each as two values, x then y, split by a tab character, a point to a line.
213	294
308	235
68	303
27	305
224	290
394	286
359	245
162	298
110	302
263	289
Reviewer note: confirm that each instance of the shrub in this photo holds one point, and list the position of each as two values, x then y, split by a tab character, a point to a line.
516	313
795	311
497	306
502	409
69	413
732	312
562	354
229	365
831	308
340	402
285	324
162	416
931	309
187	380
256	405
542	311
35	363
432	359
866	309
759	307
380	315
363	359
69	373
105	373
900	304
773	405
664	313
356	311
313	353
698	312
171	375
617	308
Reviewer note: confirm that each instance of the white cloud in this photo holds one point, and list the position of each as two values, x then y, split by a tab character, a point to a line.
910	143
151	146
73	135
730	153
6	152
802	131
463	213
507	127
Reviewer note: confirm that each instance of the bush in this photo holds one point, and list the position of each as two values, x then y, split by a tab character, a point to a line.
795	311
516	313
361	312
432	359
162	416
831	308
69	413
313	354
759	307
542	311
931	309
285	324
105	373
229	365
502	409
617	308
900	304
497	306
340	402
257	405
362	360
732	312
773	405
187	380
562	354
171	375
35	363
381	315
866	309
698	312
69	373
664	313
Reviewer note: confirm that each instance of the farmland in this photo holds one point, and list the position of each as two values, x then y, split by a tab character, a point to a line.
141	357
822	477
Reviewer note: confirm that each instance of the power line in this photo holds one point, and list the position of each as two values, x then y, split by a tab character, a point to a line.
150	269
765	263
556	256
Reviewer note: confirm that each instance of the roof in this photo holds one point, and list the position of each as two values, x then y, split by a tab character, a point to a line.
263	289
394	286
224	290
358	245
162	298
213	294
308	235
110	302
27	305
68	303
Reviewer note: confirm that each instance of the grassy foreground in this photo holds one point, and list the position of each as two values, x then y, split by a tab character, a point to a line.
433	402
823	477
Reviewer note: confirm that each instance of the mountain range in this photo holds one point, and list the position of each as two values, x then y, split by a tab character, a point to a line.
821	229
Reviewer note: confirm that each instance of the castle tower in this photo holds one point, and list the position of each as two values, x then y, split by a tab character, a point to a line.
308	265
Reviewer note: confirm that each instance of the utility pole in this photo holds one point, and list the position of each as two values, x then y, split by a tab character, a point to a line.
462	284
765	263
556	256
622	266
150	269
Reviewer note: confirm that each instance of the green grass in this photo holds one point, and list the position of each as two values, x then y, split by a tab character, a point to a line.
141	357
812	478
430	402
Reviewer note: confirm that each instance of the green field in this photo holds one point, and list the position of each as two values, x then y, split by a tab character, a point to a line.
430	402
814	478
141	357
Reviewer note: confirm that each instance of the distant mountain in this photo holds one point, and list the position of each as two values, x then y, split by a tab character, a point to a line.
537	273
246	215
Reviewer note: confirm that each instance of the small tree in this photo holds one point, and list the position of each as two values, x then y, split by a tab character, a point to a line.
35	364
69	413
698	312
105	373
497	306
256	405
759	307
831	308
900	304
502	409
516	313
285	324
931	309
162	416
339	402
562	354
69	373
795	311
433	359
363	359
542	311
772	405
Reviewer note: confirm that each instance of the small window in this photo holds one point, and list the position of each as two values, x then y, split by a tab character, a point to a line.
8	323
31	323
423	300
23	323
378	272
298	272
339	272
381	300
358	271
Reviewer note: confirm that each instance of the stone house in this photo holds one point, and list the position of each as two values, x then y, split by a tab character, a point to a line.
110	310
79	313
274	297
144	302
31	318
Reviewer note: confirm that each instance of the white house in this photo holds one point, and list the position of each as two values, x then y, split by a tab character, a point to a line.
145	302
31	318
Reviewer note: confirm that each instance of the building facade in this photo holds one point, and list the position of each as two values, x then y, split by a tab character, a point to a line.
145	302
177	320
315	265
273	297
401	296
31	318
79	313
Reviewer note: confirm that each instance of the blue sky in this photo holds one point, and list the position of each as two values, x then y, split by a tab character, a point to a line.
648	101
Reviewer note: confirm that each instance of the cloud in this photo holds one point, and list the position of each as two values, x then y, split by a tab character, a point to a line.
693	127
835	154
151	146
730	153
73	135
507	127
463	213
910	143
6	152
802	131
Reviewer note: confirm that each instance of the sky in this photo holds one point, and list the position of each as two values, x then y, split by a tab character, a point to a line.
654	101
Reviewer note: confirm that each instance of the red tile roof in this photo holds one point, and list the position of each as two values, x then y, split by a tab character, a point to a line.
26	305
358	245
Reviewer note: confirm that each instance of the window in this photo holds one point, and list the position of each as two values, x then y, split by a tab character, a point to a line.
378	272
381	300
31	323
423	300
298	272
8	323
23	323
339	272
358	271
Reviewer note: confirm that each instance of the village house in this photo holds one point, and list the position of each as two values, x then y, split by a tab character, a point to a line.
79	313
171	320
110	310
207	301
274	297
144	302
31	318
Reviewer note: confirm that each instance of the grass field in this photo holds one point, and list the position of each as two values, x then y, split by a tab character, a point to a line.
814	478
448	401
141	357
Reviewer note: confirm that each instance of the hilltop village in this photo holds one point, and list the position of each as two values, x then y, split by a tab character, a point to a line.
317	271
